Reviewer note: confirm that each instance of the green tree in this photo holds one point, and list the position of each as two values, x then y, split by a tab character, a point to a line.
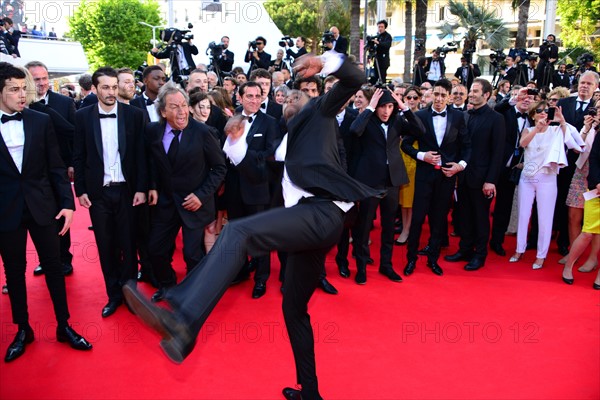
421	27
355	27
476	23
110	33
309	18
523	6
578	21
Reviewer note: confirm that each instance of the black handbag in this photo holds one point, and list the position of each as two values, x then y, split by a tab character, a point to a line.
515	172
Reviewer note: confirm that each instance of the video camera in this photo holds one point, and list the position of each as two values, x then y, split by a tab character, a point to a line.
286	41
419	44
523	54
176	36
328	37
138	73
451	46
215	49
253	44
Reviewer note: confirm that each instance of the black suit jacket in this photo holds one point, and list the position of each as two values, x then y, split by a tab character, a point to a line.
563	80
140	102
568	109
349	141
472	73
486	130
199	169
274	110
65	131
341	45
380	156
318	169
87	154
510	75
42	184
512	133
294	54
225	61
442	66
383	49
88	100
253	171
264	60
456	145
64	105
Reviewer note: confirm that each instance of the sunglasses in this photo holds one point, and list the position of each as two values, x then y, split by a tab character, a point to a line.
552	99
541	110
411	97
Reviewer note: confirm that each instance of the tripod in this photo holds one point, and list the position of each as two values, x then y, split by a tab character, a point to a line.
547	73
374	71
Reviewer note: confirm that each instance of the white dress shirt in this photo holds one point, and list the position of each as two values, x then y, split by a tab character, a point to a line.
110	148
235	150
14	138
152	111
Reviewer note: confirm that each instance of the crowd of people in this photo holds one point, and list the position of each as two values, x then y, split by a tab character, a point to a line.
295	160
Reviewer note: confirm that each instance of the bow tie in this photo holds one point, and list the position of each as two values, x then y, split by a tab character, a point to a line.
149	102
522	115
15	117
42	101
107	116
437	114
250	119
530	68
263	106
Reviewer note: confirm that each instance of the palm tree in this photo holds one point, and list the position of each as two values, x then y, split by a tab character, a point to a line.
523	6
408	27
355	27
420	26
475	23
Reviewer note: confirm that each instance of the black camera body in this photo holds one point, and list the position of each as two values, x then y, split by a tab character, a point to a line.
286	41
593	111
176	36
253	45
451	46
215	49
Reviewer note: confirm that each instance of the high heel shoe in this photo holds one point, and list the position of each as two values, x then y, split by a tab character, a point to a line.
581	269
596	286
567	280
537	265
515	257
399	243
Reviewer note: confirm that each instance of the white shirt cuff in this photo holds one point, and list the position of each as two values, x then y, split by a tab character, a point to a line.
370	108
421	155
462	164
332	61
235	151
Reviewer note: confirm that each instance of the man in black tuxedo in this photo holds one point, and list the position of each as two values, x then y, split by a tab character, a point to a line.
12	36
300	43
66	108
573	109
340	43
383	42
477	186
225	59
561	77
111	178
88	97
257	57
435	68
510	72
35	194
532	73
380	165
154	78
548	56
444	150
467	72
247	182
317	194
179	54
187	168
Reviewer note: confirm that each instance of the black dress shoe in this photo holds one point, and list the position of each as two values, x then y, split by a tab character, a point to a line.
68	269
17	347
260	288
410	268
474	264
4	289
596	286
177	341
159	295
327	287
435	268
75	340
498	249
391	274
344	271
148	277
38	270
424	251
111	308
91	228
361	276
398	243
291	394
563	250
458	256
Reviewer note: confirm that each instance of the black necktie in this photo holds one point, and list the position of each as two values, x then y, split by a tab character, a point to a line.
149	102
581	105
15	117
263	106
107	116
436	114
522	115
174	147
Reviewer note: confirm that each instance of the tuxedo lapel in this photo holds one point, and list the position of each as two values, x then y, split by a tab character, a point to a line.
96	131
255	126
122	134
430	127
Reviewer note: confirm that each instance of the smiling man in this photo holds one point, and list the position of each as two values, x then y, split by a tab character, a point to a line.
110	179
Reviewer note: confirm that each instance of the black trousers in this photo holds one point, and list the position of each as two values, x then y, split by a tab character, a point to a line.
432	199
162	242
474	211
306	232
113	218
13	247
505	191
367	209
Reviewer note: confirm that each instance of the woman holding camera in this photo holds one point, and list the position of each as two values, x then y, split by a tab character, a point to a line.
544	155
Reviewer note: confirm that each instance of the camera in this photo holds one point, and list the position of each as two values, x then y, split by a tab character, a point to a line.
419	44
451	46
138	73
593	111
286	41
252	44
215	49
176	36
532	92
497	56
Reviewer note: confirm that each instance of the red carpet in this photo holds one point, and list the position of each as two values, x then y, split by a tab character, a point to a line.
504	332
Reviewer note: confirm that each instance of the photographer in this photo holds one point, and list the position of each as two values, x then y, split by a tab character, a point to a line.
548	56
383	42
510	72
435	68
339	43
467	72
225	60
11	37
177	51
256	55
300	43
561	77
585	63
